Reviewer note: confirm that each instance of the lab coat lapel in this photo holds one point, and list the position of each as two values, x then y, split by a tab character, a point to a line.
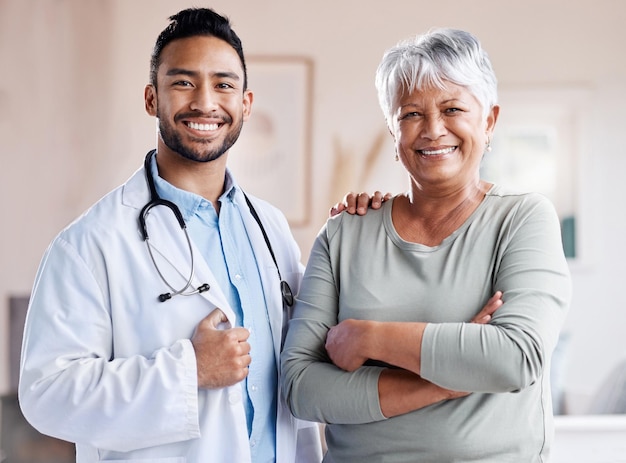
172	251
214	295
170	247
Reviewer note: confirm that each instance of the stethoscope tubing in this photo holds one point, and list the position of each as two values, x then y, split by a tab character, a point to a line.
156	200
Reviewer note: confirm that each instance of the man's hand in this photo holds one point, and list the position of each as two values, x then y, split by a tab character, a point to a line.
358	203
222	355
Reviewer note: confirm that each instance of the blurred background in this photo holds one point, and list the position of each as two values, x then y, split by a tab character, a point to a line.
73	126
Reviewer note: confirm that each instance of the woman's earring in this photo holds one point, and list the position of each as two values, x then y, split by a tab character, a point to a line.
488	148
397	157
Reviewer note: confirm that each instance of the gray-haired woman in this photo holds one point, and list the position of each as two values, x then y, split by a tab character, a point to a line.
380	338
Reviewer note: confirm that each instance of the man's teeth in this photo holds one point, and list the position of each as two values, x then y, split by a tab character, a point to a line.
441	151
196	126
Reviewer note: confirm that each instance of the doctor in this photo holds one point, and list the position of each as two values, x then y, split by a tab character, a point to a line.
156	318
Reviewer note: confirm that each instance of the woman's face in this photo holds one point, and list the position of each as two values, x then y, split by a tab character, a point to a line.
441	136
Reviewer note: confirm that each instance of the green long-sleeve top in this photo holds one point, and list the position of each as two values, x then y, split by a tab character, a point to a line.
360	268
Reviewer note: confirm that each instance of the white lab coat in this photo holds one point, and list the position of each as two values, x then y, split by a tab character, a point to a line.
109	367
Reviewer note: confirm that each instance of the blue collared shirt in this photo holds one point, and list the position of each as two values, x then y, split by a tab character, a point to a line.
224	243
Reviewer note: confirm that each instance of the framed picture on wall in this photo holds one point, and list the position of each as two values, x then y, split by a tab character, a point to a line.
537	146
271	160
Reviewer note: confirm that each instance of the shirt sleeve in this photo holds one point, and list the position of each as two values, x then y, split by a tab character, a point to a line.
513	350
314	388
74	388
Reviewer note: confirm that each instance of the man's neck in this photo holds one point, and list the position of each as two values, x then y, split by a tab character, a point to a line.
202	178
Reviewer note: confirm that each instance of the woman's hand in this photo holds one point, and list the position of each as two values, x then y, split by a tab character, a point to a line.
402	391
493	304
344	344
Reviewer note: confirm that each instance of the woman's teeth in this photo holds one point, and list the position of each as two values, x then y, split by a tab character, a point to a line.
441	151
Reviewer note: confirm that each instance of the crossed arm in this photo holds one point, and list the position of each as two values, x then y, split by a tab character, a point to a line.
351	343
322	377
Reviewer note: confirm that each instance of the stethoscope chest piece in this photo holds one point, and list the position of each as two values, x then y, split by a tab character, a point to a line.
286	292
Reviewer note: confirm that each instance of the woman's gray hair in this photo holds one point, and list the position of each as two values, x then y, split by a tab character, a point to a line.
431	59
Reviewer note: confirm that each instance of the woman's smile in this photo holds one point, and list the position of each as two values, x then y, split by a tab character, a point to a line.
438	151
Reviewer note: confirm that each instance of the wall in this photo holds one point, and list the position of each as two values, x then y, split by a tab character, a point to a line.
72	123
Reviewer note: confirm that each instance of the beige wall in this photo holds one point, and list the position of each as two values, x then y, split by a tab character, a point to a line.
72	123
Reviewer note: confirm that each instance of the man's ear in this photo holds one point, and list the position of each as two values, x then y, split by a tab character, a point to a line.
150	99
248	98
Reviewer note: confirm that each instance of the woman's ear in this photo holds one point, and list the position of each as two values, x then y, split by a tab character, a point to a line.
492	118
150	99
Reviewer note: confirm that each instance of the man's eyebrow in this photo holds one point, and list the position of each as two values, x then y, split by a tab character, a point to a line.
190	73
227	75
180	71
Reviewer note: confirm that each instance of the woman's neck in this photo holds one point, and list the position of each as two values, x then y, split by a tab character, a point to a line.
427	219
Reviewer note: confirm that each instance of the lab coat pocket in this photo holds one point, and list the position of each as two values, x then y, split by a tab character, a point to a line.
150	460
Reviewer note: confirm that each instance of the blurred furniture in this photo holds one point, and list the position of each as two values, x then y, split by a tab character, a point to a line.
18	306
21	443
589	439
611	396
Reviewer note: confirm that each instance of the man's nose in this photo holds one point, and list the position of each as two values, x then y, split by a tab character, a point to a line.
204	100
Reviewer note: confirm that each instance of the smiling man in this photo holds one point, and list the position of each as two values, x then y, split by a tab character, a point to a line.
115	359
200	84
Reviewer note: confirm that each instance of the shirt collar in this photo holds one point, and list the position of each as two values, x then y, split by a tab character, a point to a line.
189	202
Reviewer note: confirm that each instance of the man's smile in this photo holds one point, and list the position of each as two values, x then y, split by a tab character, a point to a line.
202	127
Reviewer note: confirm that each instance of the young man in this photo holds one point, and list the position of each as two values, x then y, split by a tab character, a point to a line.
115	358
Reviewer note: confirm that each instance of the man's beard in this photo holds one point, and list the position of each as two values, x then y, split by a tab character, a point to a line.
173	141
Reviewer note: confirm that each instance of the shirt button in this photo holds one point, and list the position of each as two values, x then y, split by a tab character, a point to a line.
252	443
234	397
254	388
238	277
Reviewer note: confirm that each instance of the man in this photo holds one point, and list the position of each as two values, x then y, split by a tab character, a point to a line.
114	358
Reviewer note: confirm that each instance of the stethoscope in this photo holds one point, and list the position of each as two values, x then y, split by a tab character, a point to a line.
188	289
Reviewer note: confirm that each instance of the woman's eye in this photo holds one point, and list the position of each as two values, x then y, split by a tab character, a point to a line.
410	115
452	110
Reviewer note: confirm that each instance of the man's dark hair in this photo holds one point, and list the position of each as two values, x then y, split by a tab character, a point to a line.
192	22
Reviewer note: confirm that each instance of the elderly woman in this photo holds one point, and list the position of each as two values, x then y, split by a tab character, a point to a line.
380	338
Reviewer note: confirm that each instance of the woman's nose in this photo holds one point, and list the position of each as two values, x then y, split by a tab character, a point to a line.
433	126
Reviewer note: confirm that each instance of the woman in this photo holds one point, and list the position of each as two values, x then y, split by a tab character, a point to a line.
380	339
